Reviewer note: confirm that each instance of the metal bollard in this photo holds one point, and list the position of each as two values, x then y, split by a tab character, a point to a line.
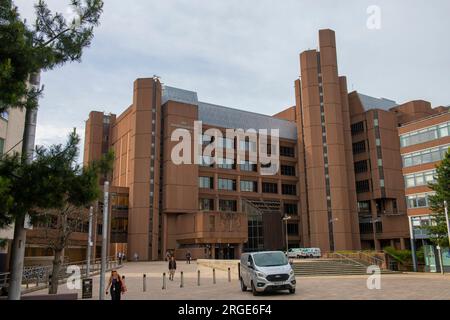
164	281
27	282
198	277
144	283
214	276
182	280
37	281
229	275
239	270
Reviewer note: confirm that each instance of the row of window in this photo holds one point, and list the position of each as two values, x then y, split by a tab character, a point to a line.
245	145
362	186
357	128
248	166
425	156
420	179
418	200
246	186
361	166
206	204
359	147
424	135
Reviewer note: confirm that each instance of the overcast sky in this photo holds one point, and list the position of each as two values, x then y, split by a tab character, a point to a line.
244	53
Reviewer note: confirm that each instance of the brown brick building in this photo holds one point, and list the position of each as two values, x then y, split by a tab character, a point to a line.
340	176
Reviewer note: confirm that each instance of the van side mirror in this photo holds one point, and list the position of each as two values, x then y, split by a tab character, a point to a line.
249	264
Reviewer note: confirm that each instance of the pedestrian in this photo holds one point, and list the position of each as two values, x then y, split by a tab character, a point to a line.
188	257
119	255
136	256
116	285
168	255
172	268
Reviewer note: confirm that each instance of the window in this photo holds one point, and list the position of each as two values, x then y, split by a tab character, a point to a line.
206	204
228	205
357	128
359	147
248	166
249	186
361	166
288	171
418	200
289	189
269	187
363	206
207	161
225	164
226	143
362	186
420	179
247	145
425	156
292	229
227	184
424	135
290	209
287	152
2	146
206	182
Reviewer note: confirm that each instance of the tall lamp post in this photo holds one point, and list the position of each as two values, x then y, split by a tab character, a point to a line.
104	241
286	219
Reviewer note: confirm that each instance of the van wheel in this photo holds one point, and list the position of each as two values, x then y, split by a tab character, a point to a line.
292	291
298	257
255	293
311	256
243	286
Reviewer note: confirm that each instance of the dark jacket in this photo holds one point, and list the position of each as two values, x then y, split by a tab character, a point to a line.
172	264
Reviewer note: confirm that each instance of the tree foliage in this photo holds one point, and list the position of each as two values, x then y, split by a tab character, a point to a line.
50	42
438	228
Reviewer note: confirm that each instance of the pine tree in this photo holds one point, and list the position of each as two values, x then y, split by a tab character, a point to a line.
438	228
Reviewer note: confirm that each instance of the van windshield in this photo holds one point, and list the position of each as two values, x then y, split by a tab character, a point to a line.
270	259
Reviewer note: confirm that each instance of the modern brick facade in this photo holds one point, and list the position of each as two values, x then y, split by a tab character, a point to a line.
341	178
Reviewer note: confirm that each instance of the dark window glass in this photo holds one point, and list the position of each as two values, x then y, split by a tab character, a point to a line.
206	204
363	186
290	209
292	229
228	205
361	166
359	147
357	128
289	189
288	171
287	152
269	187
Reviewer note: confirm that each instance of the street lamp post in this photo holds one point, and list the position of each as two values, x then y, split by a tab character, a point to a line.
286	219
104	241
89	248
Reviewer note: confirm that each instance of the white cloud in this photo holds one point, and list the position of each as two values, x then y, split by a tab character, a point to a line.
245	53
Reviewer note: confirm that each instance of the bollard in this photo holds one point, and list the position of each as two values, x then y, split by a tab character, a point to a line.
182	280
164	281
198	277
239	270
37	281
27	282
229	275
144	283
214	276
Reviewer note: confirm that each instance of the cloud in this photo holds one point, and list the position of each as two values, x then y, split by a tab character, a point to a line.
245	53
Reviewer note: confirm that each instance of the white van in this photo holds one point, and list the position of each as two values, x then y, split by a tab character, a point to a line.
311	253
295	253
266	271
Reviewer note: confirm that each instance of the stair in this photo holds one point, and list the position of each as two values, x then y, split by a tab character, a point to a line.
331	267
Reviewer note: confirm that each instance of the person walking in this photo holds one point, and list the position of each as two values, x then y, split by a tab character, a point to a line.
116	285
188	257
136	256
172	268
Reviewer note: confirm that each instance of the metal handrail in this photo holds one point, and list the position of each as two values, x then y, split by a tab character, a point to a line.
41	275
345	258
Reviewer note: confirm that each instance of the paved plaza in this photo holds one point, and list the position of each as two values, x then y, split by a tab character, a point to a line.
393	287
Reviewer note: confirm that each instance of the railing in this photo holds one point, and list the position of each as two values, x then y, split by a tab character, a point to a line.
362	256
344	258
39	277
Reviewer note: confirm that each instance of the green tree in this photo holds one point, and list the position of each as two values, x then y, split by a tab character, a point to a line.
438	228
51	42
53	185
